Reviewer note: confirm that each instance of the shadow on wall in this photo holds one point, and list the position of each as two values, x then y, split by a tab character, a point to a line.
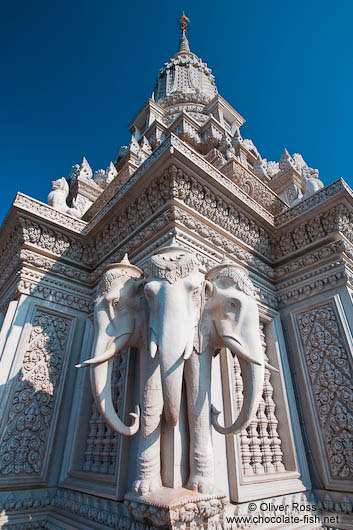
35	405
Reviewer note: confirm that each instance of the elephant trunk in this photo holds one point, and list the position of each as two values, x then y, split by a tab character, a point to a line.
101	374
252	371
253	377
172	380
171	342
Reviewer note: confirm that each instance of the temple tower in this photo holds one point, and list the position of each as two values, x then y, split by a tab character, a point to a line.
186	180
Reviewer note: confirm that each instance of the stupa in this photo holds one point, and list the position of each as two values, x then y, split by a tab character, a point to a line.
234	262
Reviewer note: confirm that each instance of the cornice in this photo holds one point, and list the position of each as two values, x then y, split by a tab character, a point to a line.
110	197
317	199
340	249
53	290
44	211
304	286
332	223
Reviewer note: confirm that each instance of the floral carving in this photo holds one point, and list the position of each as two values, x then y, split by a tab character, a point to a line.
337	219
330	375
24	440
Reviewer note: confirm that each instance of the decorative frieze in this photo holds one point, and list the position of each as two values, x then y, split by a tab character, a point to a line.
50	289
102	511
338	186
47	212
16	501
330	375
52	241
29	257
337	219
322	278
109	197
23	444
314	257
253	186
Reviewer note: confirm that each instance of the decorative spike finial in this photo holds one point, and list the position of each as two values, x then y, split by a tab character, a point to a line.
125	260
184	23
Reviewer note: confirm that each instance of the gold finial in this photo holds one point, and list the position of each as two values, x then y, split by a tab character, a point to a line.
184	23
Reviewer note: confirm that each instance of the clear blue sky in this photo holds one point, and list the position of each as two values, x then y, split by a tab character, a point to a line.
75	72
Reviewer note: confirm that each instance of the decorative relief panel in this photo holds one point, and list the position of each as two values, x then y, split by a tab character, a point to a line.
53	241
330	374
337	219
24	440
319	197
254	187
47	212
102	442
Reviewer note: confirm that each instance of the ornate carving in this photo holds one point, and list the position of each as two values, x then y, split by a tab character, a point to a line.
50	289
322	195
308	289
226	183
111	195
334	501
102	511
330	374
25	500
46	212
53	241
46	264
193	510
24	440
337	219
253	186
312	258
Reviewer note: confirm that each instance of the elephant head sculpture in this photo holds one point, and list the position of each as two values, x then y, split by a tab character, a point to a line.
119	321
172	290
230	319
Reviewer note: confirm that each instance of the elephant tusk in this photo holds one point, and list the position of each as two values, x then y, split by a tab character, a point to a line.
100	381
153	345
236	348
272	368
114	346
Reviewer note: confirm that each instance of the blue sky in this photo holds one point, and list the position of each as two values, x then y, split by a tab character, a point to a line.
75	72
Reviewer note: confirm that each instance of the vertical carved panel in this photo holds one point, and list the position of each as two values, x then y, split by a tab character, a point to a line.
260	443
330	375
24	440
102	442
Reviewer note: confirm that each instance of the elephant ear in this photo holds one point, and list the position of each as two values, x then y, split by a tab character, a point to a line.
112	293
206	324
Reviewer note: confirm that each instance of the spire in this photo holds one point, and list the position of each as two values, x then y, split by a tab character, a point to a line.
184	43
184	78
183	23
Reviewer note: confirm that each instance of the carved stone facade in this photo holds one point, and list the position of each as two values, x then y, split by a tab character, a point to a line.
329	368
187	181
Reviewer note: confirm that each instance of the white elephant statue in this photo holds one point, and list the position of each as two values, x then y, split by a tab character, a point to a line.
178	320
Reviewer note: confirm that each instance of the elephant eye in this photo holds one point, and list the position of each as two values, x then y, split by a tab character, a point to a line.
233	305
115	302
